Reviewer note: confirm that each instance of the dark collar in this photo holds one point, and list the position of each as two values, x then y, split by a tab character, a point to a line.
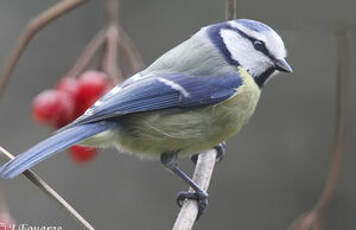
261	79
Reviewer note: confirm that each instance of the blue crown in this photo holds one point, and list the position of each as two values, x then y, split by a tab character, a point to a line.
253	25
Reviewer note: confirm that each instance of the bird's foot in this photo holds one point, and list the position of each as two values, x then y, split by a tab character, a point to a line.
169	161
201	197
220	149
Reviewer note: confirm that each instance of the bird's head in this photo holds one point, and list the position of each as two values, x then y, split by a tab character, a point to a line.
253	45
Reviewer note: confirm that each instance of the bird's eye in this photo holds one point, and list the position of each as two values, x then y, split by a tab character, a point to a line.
259	45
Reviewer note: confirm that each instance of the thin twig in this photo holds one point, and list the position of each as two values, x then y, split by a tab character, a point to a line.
342	94
34	25
110	58
112	9
312	218
48	190
202	175
119	45
231	9
88	53
129	54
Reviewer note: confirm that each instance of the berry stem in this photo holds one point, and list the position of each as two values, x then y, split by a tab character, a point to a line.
110	58
110	64
129	54
112	11
88	53
34	26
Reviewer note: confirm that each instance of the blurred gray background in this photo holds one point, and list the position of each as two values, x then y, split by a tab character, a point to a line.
274	169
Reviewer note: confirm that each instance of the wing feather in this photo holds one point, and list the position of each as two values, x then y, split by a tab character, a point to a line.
162	91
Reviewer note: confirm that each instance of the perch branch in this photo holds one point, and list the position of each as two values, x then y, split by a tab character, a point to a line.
312	218
202	175
33	26
48	190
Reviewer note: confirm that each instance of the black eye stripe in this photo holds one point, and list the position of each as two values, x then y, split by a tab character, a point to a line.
253	40
260	46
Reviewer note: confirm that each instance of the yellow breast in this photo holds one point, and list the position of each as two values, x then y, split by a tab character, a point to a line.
152	133
237	110
247	95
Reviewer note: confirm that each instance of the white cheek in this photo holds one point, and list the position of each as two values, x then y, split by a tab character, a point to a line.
241	50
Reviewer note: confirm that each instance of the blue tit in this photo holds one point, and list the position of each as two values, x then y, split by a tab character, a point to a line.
192	98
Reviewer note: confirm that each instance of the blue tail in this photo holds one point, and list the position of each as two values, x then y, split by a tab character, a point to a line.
50	146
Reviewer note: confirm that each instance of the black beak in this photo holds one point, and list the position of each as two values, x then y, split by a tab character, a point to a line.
282	65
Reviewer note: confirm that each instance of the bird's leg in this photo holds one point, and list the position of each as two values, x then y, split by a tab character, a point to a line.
220	149
169	160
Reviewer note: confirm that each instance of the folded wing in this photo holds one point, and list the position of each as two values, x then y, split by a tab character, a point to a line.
162	92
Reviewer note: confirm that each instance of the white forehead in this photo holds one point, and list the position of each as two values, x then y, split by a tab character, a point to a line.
264	33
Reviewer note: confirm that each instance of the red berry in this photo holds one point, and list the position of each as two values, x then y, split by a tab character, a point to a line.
46	106
80	108
53	107
67	113
92	84
81	154
69	85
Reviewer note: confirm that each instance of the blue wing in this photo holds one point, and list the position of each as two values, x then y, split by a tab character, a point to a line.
162	92
146	94
50	146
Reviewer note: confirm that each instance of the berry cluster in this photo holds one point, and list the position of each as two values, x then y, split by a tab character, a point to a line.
70	98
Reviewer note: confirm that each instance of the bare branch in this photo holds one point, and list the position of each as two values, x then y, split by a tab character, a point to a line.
129	54
202	175
49	191
88	53
231	9
110	58
112	9
312	218
34	25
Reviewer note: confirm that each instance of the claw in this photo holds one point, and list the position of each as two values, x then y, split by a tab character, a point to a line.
194	158
220	149
201	198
